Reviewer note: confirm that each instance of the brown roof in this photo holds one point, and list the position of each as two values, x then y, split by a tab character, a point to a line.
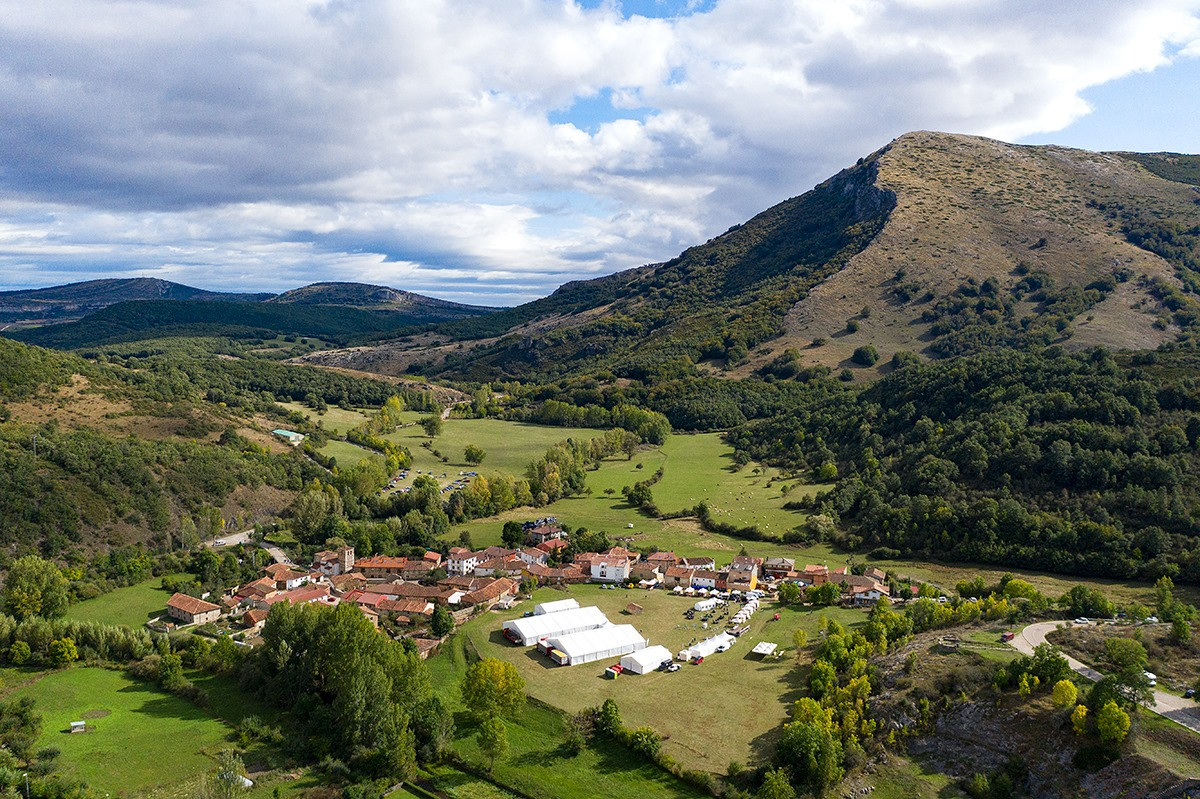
464	582
553	544
344	582
677	571
190	604
253	617
409	606
432	557
276	568
538	570
661	556
491	591
380	562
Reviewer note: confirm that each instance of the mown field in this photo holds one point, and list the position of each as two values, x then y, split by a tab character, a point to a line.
510	446
138	737
132	606
728	708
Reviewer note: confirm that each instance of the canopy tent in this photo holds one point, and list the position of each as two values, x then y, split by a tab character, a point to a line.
765	648
707	646
530	630
645	660
555	606
598	644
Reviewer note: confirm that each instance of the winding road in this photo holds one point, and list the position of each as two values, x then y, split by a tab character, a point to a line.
233	539
1176	708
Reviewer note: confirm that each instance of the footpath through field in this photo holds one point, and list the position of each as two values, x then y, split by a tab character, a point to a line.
1176	708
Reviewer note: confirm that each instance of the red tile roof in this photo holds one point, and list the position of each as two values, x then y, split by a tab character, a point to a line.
190	604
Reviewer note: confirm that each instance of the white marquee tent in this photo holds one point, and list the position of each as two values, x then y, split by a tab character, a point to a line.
645	660
707	646
530	630
598	644
707	604
555	606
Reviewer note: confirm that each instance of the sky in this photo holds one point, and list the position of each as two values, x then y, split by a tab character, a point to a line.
489	151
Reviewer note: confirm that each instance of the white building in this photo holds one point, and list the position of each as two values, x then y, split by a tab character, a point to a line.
531	629
555	606
645	660
462	561
601	643
611	569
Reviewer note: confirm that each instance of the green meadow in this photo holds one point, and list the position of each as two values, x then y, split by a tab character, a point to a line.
131	606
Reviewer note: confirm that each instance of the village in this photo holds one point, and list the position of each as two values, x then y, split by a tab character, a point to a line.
402	595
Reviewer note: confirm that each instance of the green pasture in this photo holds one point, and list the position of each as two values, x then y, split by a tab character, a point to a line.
132	606
335	420
138	736
728	708
348	454
510	446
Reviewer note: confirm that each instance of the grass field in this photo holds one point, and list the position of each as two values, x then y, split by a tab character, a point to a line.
348	454
734	698
537	766
132	606
138	738
510	446
335	420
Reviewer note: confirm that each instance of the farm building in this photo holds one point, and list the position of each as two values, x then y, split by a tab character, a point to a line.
707	646
597	644
290	436
190	610
555	606
530	630
645	660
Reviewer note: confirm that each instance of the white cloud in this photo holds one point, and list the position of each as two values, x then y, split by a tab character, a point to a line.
258	144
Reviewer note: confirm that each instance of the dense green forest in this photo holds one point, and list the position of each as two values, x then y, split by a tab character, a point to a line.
142	319
1066	462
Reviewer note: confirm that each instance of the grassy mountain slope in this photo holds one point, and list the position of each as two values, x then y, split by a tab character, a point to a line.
937	244
714	301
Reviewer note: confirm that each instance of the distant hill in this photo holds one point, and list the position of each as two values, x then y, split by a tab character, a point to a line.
937	245
107	311
75	300
379	298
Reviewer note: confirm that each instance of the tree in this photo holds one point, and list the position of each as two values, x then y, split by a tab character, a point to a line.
800	639
812	753
19	653
608	720
493	739
776	786
513	535
1181	631
492	687
62	652
442	623
1127	659
1112	723
865	355
432	425
645	741
35	587
1079	719
1065	693
474	455
790	593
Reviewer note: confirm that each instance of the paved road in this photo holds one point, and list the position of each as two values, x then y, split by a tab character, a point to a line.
233	539
1176	708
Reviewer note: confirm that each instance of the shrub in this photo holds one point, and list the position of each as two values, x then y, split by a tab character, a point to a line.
865	355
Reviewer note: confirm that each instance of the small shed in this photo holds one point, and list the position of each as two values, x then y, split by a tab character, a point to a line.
633	609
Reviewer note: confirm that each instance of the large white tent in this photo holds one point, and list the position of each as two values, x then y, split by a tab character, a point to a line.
530	630
707	646
555	606
645	660
707	604
598	644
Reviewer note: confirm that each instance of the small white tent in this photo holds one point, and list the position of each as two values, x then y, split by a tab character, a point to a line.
707	604
645	660
555	606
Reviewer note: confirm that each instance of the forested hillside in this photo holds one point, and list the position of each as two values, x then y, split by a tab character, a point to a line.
122	448
1076	463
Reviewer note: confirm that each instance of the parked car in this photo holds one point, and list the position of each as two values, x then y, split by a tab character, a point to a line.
665	665
1081	620
696	661
220	542
674	667
1151	677
1007	636
1151	620
1189	693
